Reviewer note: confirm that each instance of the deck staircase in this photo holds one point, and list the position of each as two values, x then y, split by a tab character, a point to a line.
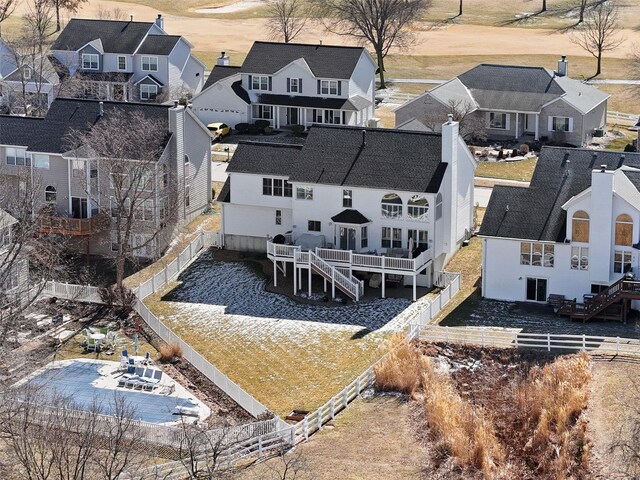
621	290
348	284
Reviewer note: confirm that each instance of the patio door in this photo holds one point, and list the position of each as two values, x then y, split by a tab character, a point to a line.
292	116
79	207
537	289
347	238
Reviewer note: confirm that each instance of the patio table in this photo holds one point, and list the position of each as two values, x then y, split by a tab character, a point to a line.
97	336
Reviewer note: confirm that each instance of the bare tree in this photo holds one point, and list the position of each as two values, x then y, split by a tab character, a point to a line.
544	6
382	24
126	152
6	10
286	19
472	126
115	13
202	452
69	5
599	33
460	9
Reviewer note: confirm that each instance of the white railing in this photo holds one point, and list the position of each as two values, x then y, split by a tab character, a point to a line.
622	118
352	287
485	337
281	250
68	291
429	309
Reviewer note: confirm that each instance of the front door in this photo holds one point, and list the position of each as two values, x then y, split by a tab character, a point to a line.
292	116
79	207
530	123
347	238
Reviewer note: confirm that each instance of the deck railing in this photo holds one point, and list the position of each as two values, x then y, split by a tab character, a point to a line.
68	226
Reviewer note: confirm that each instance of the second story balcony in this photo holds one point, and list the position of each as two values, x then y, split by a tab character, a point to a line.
59	225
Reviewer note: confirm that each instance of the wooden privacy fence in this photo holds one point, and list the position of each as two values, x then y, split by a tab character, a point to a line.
597	345
450	284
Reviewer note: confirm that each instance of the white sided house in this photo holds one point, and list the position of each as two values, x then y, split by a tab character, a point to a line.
291	84
352	200
571	237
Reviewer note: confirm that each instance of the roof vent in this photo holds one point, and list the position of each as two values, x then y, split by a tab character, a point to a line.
132	18
506	209
603	168
364	138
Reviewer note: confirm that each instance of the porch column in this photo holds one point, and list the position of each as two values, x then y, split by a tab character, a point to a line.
277	116
536	134
517	126
325	284
304	117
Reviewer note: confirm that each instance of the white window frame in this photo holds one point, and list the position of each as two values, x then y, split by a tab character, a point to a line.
50	191
17	156
546	254
567	122
40	160
364	236
260	83
122	57
87	59
420	238
328	87
347	198
78	168
263	112
391	210
304	193
579	259
391	237
417	212
149	63
148	91
294	85
491	121
314	224
625	261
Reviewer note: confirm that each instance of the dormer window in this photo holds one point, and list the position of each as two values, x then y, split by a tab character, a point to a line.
294	85
149	64
27	73
90	61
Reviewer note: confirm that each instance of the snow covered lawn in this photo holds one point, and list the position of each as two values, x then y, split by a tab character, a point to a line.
286	354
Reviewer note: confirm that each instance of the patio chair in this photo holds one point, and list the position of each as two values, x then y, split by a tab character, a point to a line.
154	381
92	346
124	359
104	330
134	380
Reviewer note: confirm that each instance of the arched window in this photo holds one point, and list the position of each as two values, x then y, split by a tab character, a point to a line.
391	206
624	230
580	227
50	194
438	206
418	207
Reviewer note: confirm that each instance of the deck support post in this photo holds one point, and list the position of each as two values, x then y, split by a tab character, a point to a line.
414	289
295	277
309	280
275	273
333	284
325	284
382	284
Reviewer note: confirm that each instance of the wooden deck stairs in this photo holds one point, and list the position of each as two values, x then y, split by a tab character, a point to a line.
621	291
348	284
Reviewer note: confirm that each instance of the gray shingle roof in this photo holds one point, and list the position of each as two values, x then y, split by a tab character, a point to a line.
535	213
218	72
325	61
352	216
354	104
116	36
158	44
48	135
335	155
511	78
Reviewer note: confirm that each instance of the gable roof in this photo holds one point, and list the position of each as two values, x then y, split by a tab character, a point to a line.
48	135
158	44
536	213
219	72
390	159
351	216
517	88
325	61
116	36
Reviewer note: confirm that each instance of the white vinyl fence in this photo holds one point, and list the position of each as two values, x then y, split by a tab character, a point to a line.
450	284
484	337
68	291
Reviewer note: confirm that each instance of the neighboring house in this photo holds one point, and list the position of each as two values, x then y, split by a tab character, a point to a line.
515	103
14	267
26	80
127	60
573	232
34	151
291	84
366	192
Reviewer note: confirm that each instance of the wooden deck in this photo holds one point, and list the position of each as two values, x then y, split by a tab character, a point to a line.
611	303
69	226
